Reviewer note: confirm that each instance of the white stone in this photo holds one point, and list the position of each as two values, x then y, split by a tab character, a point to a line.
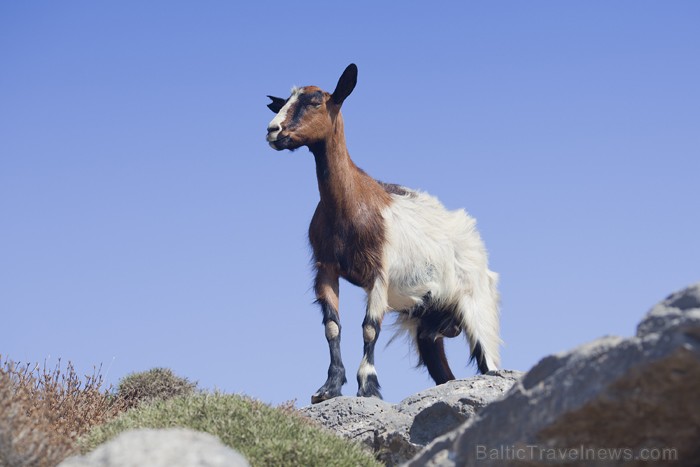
173	447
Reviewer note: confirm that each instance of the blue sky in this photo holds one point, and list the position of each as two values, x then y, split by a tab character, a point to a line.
144	221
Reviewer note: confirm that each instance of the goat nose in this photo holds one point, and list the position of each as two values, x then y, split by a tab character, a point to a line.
273	128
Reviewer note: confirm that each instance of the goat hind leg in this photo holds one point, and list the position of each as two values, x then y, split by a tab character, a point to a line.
434	324
432	355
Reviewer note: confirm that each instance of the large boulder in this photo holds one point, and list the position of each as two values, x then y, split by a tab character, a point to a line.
395	433
173	447
611	402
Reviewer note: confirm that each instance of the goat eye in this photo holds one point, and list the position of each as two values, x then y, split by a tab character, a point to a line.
315	100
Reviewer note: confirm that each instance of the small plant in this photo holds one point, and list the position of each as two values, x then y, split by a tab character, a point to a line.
151	385
264	435
43	411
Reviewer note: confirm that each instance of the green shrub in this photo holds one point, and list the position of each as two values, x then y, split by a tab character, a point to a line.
154	384
264	435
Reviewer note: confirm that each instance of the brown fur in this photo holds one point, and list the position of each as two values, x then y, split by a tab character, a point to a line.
326	284
347	230
316	121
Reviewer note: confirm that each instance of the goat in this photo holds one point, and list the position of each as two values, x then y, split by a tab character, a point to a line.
409	253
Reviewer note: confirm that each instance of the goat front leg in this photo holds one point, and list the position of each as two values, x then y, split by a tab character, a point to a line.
377	304
326	288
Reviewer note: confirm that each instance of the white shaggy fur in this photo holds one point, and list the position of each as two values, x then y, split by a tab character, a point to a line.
432	250
365	370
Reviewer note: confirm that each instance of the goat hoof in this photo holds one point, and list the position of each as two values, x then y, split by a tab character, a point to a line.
370	392
323	395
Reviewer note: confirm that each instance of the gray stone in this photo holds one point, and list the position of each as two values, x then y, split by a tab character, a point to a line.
640	396
442	408
668	312
368	420
395	433
175	447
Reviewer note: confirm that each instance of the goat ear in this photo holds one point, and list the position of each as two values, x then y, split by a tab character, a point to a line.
276	104
346	84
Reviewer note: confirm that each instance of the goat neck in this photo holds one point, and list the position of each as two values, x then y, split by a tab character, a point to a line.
341	184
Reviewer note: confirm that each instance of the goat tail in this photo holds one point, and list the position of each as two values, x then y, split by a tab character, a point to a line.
479	315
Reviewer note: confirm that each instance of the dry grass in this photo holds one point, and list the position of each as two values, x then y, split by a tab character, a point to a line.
154	384
48	414
44	410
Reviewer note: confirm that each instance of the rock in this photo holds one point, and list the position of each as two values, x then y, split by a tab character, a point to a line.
611	402
175	447
668	312
368	420
442	408
395	433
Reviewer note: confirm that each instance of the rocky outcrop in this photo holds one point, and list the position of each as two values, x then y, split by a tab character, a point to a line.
175	447
614	401
397	432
